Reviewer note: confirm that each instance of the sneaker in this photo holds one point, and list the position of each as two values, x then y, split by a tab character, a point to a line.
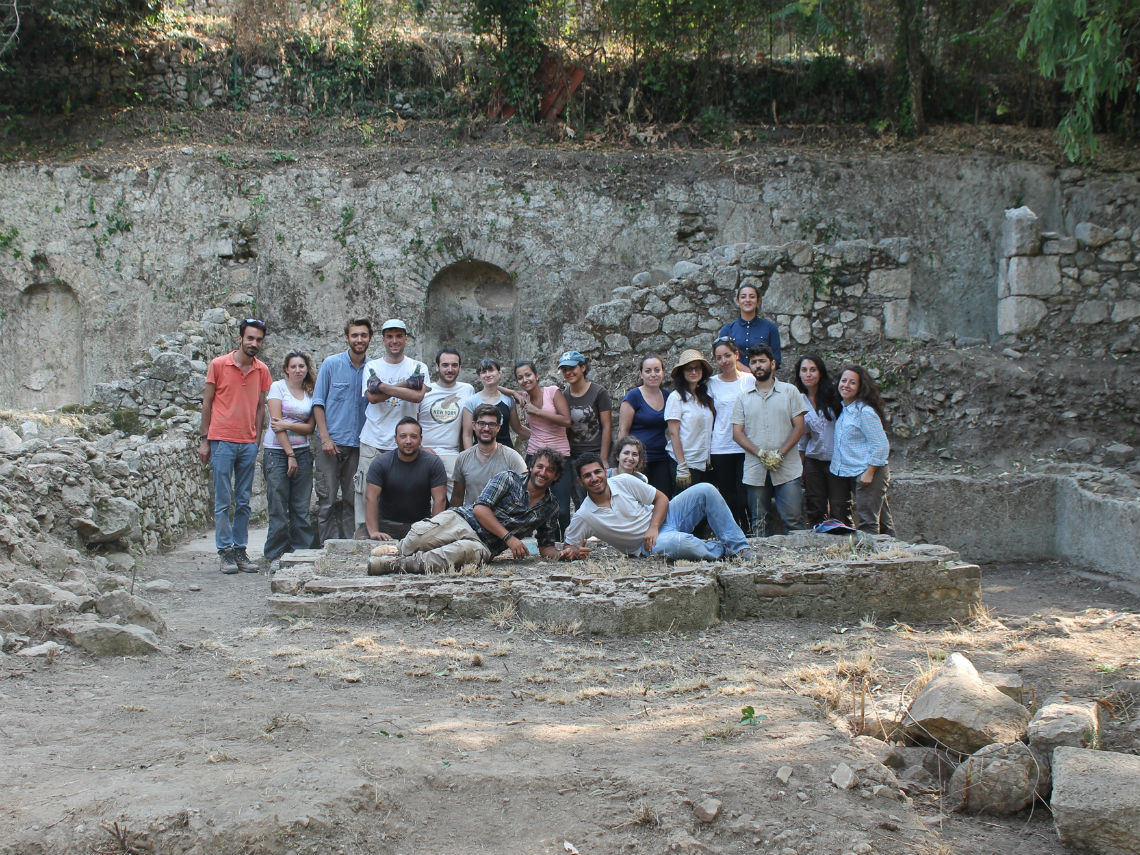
274	566
228	564
746	554
243	562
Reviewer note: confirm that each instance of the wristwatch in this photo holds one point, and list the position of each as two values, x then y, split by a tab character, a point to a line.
202	437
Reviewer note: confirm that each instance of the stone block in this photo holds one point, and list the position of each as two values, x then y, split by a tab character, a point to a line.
24	618
725	279
959	710
110	639
678	324
893	283
896	319
1020	232
9	439
685	270
998	779
1125	310
1065	720
1018	315
112	518
762	258
170	367
854	252
614	314
617	343
801	329
1096	800
1034	276
1091	312
1092	235
787	294
131	609
1010	685
1116	252
1059	246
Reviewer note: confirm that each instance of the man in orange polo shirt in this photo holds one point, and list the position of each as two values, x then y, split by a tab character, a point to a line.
233	421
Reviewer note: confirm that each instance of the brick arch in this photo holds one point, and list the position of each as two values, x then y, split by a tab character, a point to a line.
42	337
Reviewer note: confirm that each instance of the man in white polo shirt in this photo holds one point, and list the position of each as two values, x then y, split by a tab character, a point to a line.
394	387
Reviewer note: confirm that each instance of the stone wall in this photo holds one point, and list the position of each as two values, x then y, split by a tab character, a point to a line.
822	294
1088	517
1054	287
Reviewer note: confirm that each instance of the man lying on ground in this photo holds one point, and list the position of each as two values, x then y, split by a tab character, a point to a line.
638	520
511	507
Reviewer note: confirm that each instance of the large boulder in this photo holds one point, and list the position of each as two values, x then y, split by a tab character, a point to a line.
110	639
1065	720
960	711
112	518
131	609
24	618
1096	800
999	779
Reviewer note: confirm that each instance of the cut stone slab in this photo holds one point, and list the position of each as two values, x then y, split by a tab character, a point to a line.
960	711
50	595
110	639
1096	800
999	780
24	618
1065	720
112	518
131	609
47	650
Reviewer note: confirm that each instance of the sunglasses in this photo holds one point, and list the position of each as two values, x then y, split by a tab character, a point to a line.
724	339
253	322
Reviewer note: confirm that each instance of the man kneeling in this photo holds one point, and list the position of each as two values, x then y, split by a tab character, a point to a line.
638	520
510	507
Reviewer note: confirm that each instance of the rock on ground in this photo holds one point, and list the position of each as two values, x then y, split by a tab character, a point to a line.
962	712
130	608
110	639
1065	720
998	779
1096	800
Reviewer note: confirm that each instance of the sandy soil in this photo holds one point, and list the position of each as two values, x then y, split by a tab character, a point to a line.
448	735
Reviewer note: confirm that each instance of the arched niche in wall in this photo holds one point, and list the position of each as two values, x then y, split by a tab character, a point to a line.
473	307
42	342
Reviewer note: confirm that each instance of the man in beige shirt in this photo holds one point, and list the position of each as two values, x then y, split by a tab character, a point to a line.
767	422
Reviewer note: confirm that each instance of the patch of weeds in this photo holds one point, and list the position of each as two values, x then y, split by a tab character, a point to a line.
128	422
282	157
749	717
7	236
724	731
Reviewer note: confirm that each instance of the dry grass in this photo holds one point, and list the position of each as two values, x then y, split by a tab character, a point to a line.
645	815
503	616
133	708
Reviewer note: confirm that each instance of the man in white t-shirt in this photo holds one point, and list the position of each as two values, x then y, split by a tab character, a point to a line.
637	519
441	410
394	387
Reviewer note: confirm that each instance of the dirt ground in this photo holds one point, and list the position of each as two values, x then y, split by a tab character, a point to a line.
440	734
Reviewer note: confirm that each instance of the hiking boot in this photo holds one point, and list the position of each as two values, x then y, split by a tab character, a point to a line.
746	554
274	566
227	562
243	562
382	565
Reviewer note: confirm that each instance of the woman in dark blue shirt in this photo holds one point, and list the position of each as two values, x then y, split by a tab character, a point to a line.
749	328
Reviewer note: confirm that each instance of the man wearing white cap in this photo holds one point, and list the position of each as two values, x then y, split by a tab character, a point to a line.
394	387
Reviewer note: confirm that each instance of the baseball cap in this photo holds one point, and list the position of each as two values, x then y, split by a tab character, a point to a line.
571	358
394	324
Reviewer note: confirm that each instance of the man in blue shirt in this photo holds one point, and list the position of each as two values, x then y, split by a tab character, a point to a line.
338	407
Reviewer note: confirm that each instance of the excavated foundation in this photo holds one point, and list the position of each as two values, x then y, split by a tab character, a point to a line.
803	575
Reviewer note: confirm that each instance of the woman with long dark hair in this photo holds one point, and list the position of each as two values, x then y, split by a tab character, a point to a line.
642	414
287	461
689	416
826	496
861	449
727	458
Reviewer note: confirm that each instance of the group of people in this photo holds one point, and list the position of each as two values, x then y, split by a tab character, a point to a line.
431	462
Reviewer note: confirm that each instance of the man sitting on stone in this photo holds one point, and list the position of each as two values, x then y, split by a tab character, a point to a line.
639	520
404	485
484	460
510	507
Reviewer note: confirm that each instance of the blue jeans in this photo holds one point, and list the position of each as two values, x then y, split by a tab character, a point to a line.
788	499
288	499
686	510
233	465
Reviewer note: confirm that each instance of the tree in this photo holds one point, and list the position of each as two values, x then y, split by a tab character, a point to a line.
1093	47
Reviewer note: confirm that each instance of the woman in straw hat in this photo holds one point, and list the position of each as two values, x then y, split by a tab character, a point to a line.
689	416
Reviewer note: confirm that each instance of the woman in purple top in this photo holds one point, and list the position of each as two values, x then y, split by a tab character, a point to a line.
642	415
826	496
750	328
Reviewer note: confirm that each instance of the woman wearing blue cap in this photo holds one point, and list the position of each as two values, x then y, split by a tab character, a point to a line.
591	417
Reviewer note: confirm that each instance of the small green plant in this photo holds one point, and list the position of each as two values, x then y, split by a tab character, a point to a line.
128	422
7	237
282	157
347	216
748	716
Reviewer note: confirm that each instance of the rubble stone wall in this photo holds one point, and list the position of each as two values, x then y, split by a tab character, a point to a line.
1054	288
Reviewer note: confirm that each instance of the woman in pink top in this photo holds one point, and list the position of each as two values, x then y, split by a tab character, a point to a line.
546	410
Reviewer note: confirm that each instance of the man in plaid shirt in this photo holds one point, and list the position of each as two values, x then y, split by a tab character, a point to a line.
510	507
